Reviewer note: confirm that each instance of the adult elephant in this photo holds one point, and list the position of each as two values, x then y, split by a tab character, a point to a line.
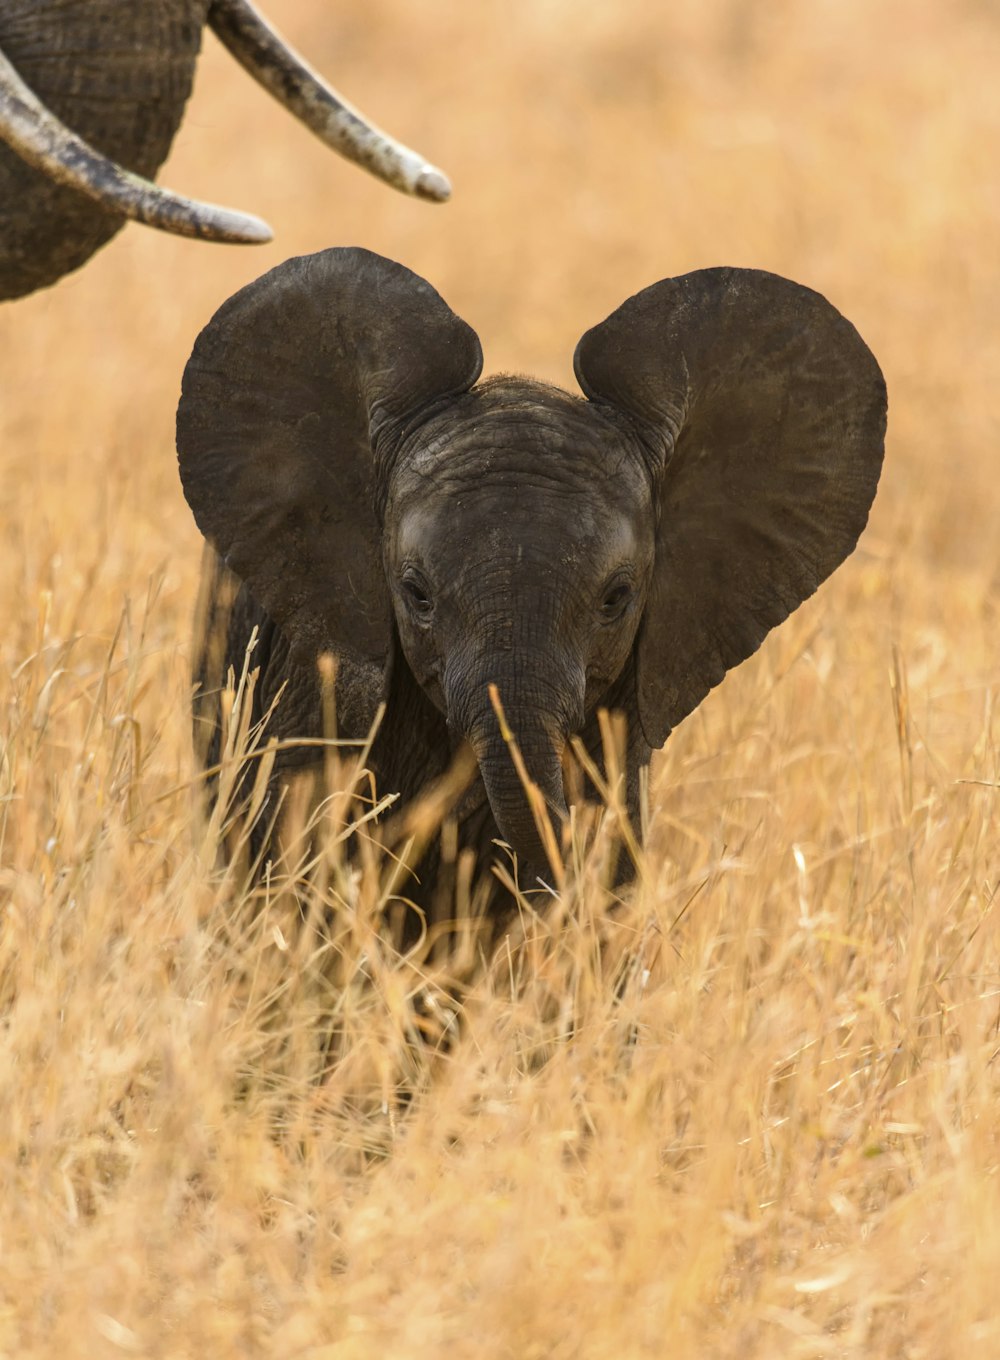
91	95
441	536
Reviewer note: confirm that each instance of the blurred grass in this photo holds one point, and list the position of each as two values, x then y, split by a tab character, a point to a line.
754	1111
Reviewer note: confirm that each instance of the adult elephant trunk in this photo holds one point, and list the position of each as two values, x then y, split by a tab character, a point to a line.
118	75
91	95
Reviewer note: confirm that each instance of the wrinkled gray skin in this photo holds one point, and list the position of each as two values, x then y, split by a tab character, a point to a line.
91	95
518	542
438	536
125	97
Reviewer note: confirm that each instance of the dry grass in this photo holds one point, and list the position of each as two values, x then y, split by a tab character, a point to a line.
754	1111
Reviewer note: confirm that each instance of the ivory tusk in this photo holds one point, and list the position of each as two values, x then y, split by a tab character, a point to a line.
283	73
39	138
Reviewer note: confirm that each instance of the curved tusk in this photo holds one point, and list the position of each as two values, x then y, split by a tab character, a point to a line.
39	138
283	73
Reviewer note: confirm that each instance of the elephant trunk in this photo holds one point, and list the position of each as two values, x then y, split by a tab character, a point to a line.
538	711
78	155
540	751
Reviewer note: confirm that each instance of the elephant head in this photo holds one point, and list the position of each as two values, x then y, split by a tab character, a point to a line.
91	95
624	549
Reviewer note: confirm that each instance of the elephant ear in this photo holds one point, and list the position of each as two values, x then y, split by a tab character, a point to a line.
288	390
764	414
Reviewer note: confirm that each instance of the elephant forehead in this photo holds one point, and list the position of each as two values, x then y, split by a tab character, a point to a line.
517	472
515	432
486	528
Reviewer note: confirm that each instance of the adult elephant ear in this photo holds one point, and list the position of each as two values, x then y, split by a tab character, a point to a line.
763	413
295	394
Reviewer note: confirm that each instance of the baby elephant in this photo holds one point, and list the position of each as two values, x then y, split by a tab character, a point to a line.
439	536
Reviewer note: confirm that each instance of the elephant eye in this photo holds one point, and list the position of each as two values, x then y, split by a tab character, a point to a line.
415	590
616	599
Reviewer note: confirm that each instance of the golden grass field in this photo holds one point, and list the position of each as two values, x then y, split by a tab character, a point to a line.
753	1111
